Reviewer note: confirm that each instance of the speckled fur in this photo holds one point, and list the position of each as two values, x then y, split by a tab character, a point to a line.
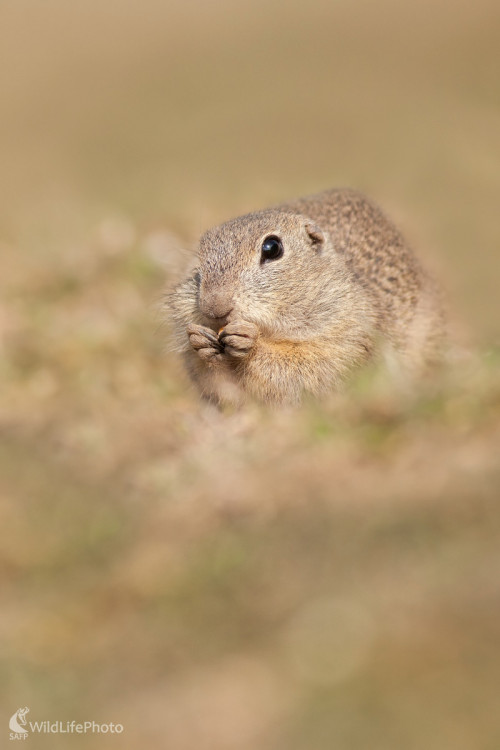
347	289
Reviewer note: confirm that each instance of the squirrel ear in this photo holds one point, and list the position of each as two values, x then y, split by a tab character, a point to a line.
315	234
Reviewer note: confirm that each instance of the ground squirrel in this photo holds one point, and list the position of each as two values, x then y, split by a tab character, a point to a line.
291	299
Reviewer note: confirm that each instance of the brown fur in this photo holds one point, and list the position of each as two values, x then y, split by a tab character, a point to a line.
346	289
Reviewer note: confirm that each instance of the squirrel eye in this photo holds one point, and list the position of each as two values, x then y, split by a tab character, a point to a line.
272	248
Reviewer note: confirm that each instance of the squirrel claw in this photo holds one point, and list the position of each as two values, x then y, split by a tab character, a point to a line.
238	338
204	341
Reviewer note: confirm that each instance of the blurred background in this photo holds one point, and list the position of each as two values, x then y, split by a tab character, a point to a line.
308	580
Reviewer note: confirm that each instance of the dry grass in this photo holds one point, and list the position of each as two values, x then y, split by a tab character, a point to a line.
319	579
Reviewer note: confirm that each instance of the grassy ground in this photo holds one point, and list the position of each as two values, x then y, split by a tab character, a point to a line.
308	580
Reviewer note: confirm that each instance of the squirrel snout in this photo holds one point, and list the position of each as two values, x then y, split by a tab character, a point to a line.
215	305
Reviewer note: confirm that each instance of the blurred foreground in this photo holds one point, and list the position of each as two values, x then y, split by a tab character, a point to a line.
325	578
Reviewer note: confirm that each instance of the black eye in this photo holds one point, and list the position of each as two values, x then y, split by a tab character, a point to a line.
272	248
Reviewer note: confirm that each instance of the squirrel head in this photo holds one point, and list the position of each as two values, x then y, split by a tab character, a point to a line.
270	268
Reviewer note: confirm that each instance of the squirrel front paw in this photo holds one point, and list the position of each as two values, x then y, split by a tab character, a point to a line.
238	338
205	342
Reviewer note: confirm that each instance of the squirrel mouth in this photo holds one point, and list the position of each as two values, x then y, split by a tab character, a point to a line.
218	324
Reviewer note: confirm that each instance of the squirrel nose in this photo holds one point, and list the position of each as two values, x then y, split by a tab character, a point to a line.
215	305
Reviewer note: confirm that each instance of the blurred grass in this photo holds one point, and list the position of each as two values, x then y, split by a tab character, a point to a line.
313	579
